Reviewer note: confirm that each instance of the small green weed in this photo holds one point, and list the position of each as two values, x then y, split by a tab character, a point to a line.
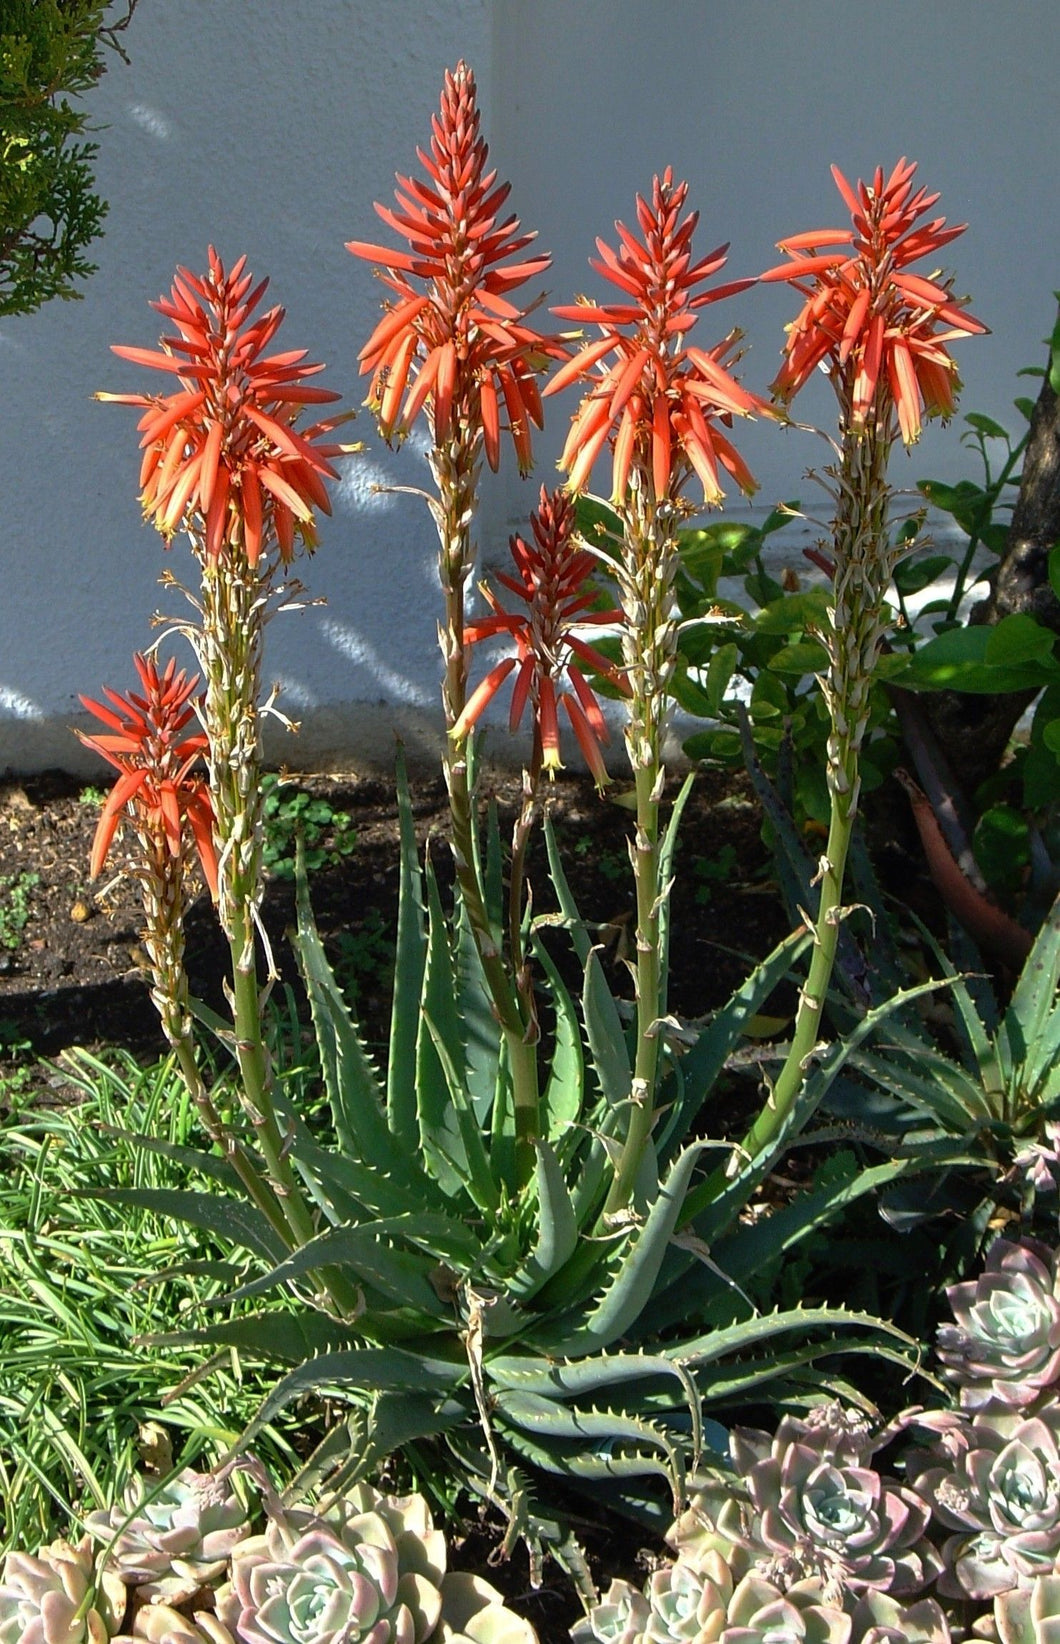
710	871
364	957
289	811
15	898
609	862
92	798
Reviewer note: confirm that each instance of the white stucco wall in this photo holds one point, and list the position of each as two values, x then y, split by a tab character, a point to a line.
270	130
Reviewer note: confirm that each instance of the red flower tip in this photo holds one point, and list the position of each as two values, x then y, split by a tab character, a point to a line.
155	761
552	583
879	330
655	398
222	455
453	341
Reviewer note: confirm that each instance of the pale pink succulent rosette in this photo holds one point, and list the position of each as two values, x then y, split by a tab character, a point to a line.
1003	1348
998	1490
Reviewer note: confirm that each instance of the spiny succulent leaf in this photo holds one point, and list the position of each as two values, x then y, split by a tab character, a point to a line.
604	1031
564	896
557	1235
355	1095
629	1290
410	959
232	1219
564	1094
377	1255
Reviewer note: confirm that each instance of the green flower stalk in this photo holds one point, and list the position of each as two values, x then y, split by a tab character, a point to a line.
657	399
224	462
881	333
453	344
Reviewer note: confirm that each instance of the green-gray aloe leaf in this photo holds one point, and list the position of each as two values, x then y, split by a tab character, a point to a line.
564	895
231	1219
557	1228
363	1370
410	959
354	1092
564	1094
378	1255
704	1063
666	868
630	1288
293	1338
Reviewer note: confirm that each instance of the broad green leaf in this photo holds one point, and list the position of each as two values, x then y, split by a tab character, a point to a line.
803	656
986	425
915	573
794	613
720	670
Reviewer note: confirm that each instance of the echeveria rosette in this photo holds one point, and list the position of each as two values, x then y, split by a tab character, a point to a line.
161	1624
760	1612
1030	1615
821	1511
999	1490
880	1619
620	1617
169	1541
1004	1346
306	1581
55	1596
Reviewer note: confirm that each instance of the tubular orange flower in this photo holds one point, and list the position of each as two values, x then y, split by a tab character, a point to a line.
221	453
871	322
459	345
552	583
156	762
654	398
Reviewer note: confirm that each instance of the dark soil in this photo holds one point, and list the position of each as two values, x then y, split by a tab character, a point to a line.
71	966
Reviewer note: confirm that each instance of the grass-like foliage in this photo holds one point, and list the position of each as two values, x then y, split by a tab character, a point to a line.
81	1279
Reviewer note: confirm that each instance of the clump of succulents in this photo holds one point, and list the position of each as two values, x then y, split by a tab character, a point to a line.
172	1538
998	1488
55	1597
371	1570
1004	1346
812	1506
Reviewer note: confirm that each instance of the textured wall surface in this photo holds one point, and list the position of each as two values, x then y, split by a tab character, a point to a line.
270	130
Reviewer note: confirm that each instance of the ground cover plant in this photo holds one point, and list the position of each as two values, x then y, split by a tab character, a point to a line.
530	1249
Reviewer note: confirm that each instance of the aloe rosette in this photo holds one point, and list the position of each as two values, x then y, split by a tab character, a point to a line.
53	1596
1004	1345
167	1541
999	1490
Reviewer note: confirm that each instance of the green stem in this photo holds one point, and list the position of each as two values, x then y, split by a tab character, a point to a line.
650	646
456	465
864	564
